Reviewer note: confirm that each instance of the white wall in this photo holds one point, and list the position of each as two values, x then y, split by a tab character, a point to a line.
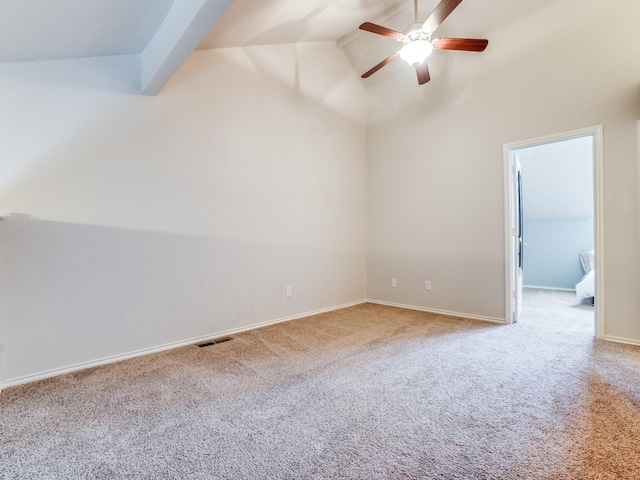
142	221
435	166
3	304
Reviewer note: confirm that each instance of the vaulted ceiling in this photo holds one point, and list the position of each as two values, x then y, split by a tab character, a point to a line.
162	33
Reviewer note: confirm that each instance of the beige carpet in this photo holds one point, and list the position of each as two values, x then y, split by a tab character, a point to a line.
368	392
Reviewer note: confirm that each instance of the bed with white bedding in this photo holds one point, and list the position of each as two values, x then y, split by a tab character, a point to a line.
586	288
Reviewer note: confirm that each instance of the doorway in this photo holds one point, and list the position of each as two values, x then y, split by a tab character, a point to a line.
542	229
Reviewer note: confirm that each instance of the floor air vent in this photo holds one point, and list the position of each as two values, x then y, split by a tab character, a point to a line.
214	341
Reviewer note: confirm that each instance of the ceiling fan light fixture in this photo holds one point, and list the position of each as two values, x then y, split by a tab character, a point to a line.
417	43
416	51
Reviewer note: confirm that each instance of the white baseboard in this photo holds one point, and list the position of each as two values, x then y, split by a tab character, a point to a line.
537	287
161	348
501	321
622	340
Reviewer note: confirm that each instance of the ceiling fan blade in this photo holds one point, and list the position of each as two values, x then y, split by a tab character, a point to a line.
384	31
442	11
423	73
466	44
387	60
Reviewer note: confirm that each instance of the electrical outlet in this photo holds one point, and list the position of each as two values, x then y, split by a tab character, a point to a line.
427	285
289	291
394	282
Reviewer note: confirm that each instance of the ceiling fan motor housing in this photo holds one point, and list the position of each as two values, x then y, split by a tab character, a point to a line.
415	32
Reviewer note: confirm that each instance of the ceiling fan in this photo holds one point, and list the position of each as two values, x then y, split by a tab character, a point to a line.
417	41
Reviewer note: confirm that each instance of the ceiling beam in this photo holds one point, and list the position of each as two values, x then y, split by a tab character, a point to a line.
186	24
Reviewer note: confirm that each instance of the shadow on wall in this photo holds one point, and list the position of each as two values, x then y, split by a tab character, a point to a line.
316	72
459	281
81	293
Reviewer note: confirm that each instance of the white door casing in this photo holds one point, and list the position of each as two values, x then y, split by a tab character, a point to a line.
513	274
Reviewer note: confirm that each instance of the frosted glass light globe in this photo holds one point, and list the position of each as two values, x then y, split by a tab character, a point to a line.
415	52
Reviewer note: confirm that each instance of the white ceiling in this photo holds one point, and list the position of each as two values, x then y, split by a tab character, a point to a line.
251	22
172	29
54	29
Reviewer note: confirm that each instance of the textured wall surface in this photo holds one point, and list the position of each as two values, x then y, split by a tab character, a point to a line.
141	221
435	162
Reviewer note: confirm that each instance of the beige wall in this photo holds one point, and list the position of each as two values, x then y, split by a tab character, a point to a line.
139	222
143	221
435	164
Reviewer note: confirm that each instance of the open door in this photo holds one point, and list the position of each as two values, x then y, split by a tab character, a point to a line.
517	240
514	241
